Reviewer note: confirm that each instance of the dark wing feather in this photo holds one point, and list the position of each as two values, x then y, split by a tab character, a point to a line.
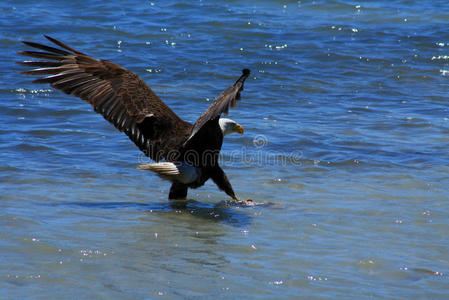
221	105
118	94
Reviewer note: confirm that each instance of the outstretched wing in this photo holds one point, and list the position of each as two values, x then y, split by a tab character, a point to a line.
221	105
118	94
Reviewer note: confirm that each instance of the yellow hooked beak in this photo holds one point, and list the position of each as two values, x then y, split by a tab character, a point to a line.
239	129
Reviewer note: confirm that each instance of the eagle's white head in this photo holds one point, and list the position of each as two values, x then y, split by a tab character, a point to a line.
229	126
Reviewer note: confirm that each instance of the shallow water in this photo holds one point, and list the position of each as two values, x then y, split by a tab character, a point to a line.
346	136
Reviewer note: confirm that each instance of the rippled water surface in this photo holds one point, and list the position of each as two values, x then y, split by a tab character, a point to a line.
346	142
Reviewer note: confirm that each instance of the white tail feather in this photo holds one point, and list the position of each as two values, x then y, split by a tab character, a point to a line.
179	172
162	168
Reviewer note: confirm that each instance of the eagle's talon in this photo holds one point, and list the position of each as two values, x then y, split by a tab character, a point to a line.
247	202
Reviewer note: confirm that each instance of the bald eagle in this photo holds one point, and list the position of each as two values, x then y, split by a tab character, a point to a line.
185	154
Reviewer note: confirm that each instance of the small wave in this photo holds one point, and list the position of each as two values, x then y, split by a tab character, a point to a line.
30	147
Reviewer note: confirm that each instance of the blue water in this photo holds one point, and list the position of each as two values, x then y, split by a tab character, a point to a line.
346	143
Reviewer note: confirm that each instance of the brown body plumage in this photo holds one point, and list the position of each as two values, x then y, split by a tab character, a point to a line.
133	108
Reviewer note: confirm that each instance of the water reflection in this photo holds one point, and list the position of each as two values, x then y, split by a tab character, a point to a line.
222	211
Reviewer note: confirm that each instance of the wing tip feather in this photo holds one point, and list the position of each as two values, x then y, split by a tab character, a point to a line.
62	45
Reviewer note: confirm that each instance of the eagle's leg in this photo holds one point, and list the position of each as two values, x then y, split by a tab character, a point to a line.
178	191
222	181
